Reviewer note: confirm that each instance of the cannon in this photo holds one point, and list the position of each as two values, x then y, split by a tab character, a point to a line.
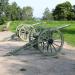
23	31
49	41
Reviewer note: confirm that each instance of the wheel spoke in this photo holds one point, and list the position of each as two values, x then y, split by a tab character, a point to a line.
51	35
50	48
54	47
26	35
57	41
43	45
48	35
56	44
47	47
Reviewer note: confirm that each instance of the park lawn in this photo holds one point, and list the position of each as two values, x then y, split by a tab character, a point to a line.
1	26
69	32
14	24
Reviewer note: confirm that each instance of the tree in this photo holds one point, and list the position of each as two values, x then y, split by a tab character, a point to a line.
47	15
19	14
27	12
73	12
3	4
8	12
63	11
14	11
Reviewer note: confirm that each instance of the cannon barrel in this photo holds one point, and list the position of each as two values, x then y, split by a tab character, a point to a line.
36	24
61	27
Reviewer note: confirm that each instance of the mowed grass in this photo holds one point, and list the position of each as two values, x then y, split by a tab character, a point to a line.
15	24
1	26
69	32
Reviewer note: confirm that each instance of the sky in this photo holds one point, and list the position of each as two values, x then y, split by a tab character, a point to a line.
40	5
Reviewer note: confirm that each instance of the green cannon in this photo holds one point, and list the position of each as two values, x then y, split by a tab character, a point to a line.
48	41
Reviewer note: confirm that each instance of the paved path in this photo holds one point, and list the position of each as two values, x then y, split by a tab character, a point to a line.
5	35
31	62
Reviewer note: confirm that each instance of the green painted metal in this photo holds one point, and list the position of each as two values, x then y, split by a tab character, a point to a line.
49	41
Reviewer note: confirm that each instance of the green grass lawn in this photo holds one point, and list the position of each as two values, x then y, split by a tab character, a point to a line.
69	32
1	26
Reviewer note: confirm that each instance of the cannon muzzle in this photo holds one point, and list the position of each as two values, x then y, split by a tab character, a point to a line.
61	27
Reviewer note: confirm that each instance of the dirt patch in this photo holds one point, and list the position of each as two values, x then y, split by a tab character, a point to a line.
67	46
35	64
30	62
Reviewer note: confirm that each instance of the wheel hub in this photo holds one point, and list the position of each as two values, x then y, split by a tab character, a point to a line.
27	32
50	41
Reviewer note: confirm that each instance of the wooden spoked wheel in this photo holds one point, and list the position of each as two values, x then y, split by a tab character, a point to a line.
24	32
32	35
35	33
17	29
50	42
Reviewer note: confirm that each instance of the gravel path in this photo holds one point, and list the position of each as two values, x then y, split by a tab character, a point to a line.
31	62
5	35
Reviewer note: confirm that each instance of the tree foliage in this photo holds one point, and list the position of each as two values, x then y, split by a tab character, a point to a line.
27	12
2	10
63	11
14	12
47	15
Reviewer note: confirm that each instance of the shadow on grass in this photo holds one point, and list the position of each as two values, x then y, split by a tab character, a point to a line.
68	31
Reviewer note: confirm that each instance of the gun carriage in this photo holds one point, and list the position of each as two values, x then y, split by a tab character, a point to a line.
49	41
